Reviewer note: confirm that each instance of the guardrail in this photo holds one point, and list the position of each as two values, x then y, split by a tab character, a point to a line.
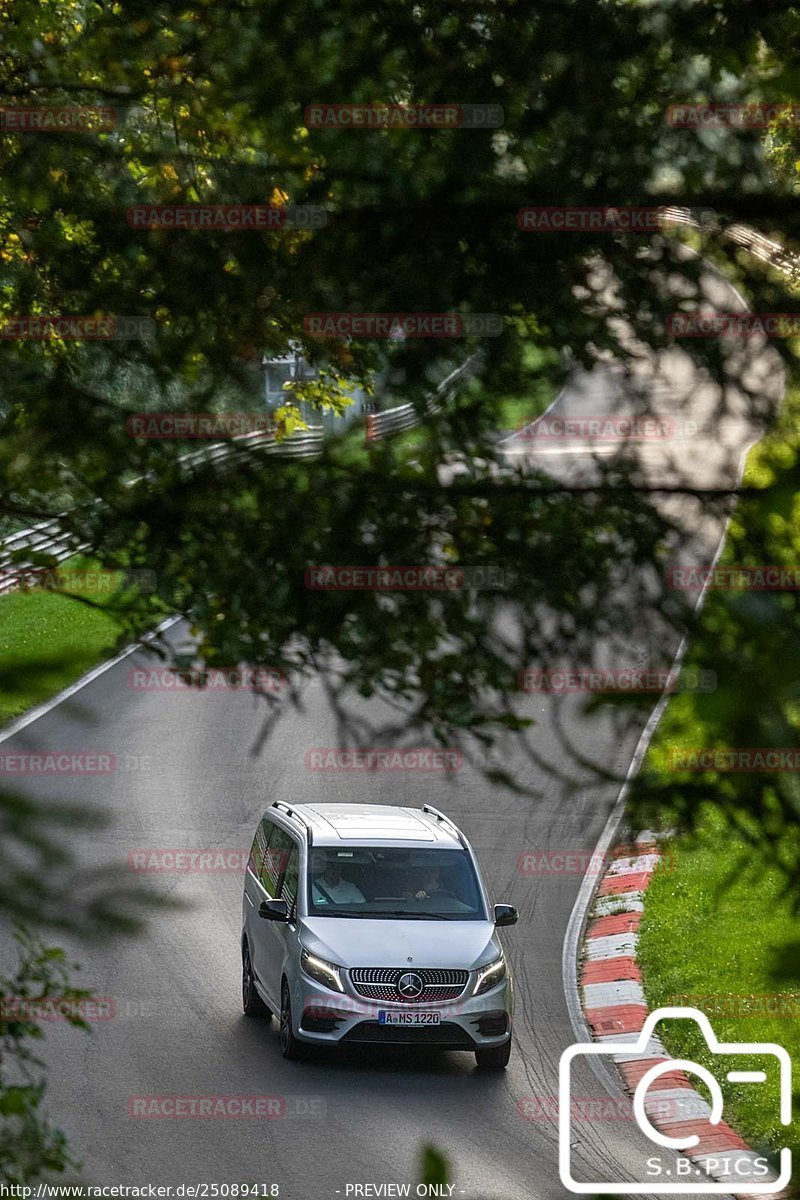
406	416
765	249
47	537
759	246
305	443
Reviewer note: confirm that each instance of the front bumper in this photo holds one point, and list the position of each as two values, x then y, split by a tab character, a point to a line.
327	1017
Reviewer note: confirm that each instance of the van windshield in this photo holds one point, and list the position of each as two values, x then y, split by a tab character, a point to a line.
394	884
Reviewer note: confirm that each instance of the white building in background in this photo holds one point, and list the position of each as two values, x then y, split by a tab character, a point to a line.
286	368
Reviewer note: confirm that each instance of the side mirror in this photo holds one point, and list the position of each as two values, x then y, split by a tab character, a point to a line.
274	910
505	914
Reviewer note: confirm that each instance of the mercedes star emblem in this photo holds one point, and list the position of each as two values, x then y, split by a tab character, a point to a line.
410	985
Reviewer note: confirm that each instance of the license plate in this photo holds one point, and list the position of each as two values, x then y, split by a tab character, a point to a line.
408	1018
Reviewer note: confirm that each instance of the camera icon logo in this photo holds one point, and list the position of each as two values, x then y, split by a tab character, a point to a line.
686	1167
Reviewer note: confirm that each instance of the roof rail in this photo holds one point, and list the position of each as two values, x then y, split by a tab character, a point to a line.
434	812
298	816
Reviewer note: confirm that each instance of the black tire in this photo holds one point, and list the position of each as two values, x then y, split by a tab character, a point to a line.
494	1058
252	1004
291	1048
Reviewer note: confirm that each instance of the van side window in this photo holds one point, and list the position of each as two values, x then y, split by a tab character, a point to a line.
256	859
280	847
289	885
272	864
274	860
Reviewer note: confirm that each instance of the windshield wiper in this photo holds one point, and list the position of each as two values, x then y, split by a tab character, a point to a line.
414	916
336	912
397	912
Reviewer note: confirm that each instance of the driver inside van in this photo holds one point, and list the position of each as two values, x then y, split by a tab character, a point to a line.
328	884
428	884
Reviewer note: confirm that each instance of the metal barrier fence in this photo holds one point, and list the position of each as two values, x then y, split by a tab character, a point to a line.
406	416
305	443
759	246
47	538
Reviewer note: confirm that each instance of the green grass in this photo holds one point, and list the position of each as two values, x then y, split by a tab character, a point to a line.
719	932
718	935
48	640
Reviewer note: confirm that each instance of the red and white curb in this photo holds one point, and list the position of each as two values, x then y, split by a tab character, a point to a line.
615	1009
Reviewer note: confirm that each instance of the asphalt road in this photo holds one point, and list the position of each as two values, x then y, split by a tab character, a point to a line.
192	778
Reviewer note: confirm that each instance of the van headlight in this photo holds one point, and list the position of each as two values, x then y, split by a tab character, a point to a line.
490	975
326	973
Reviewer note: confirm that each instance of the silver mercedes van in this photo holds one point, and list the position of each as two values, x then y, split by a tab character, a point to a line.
370	923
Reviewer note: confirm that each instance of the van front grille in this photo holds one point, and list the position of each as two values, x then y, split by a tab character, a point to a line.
382	983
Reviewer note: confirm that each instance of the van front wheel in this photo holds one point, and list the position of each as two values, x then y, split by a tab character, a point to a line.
252	1004
494	1058
290	1046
